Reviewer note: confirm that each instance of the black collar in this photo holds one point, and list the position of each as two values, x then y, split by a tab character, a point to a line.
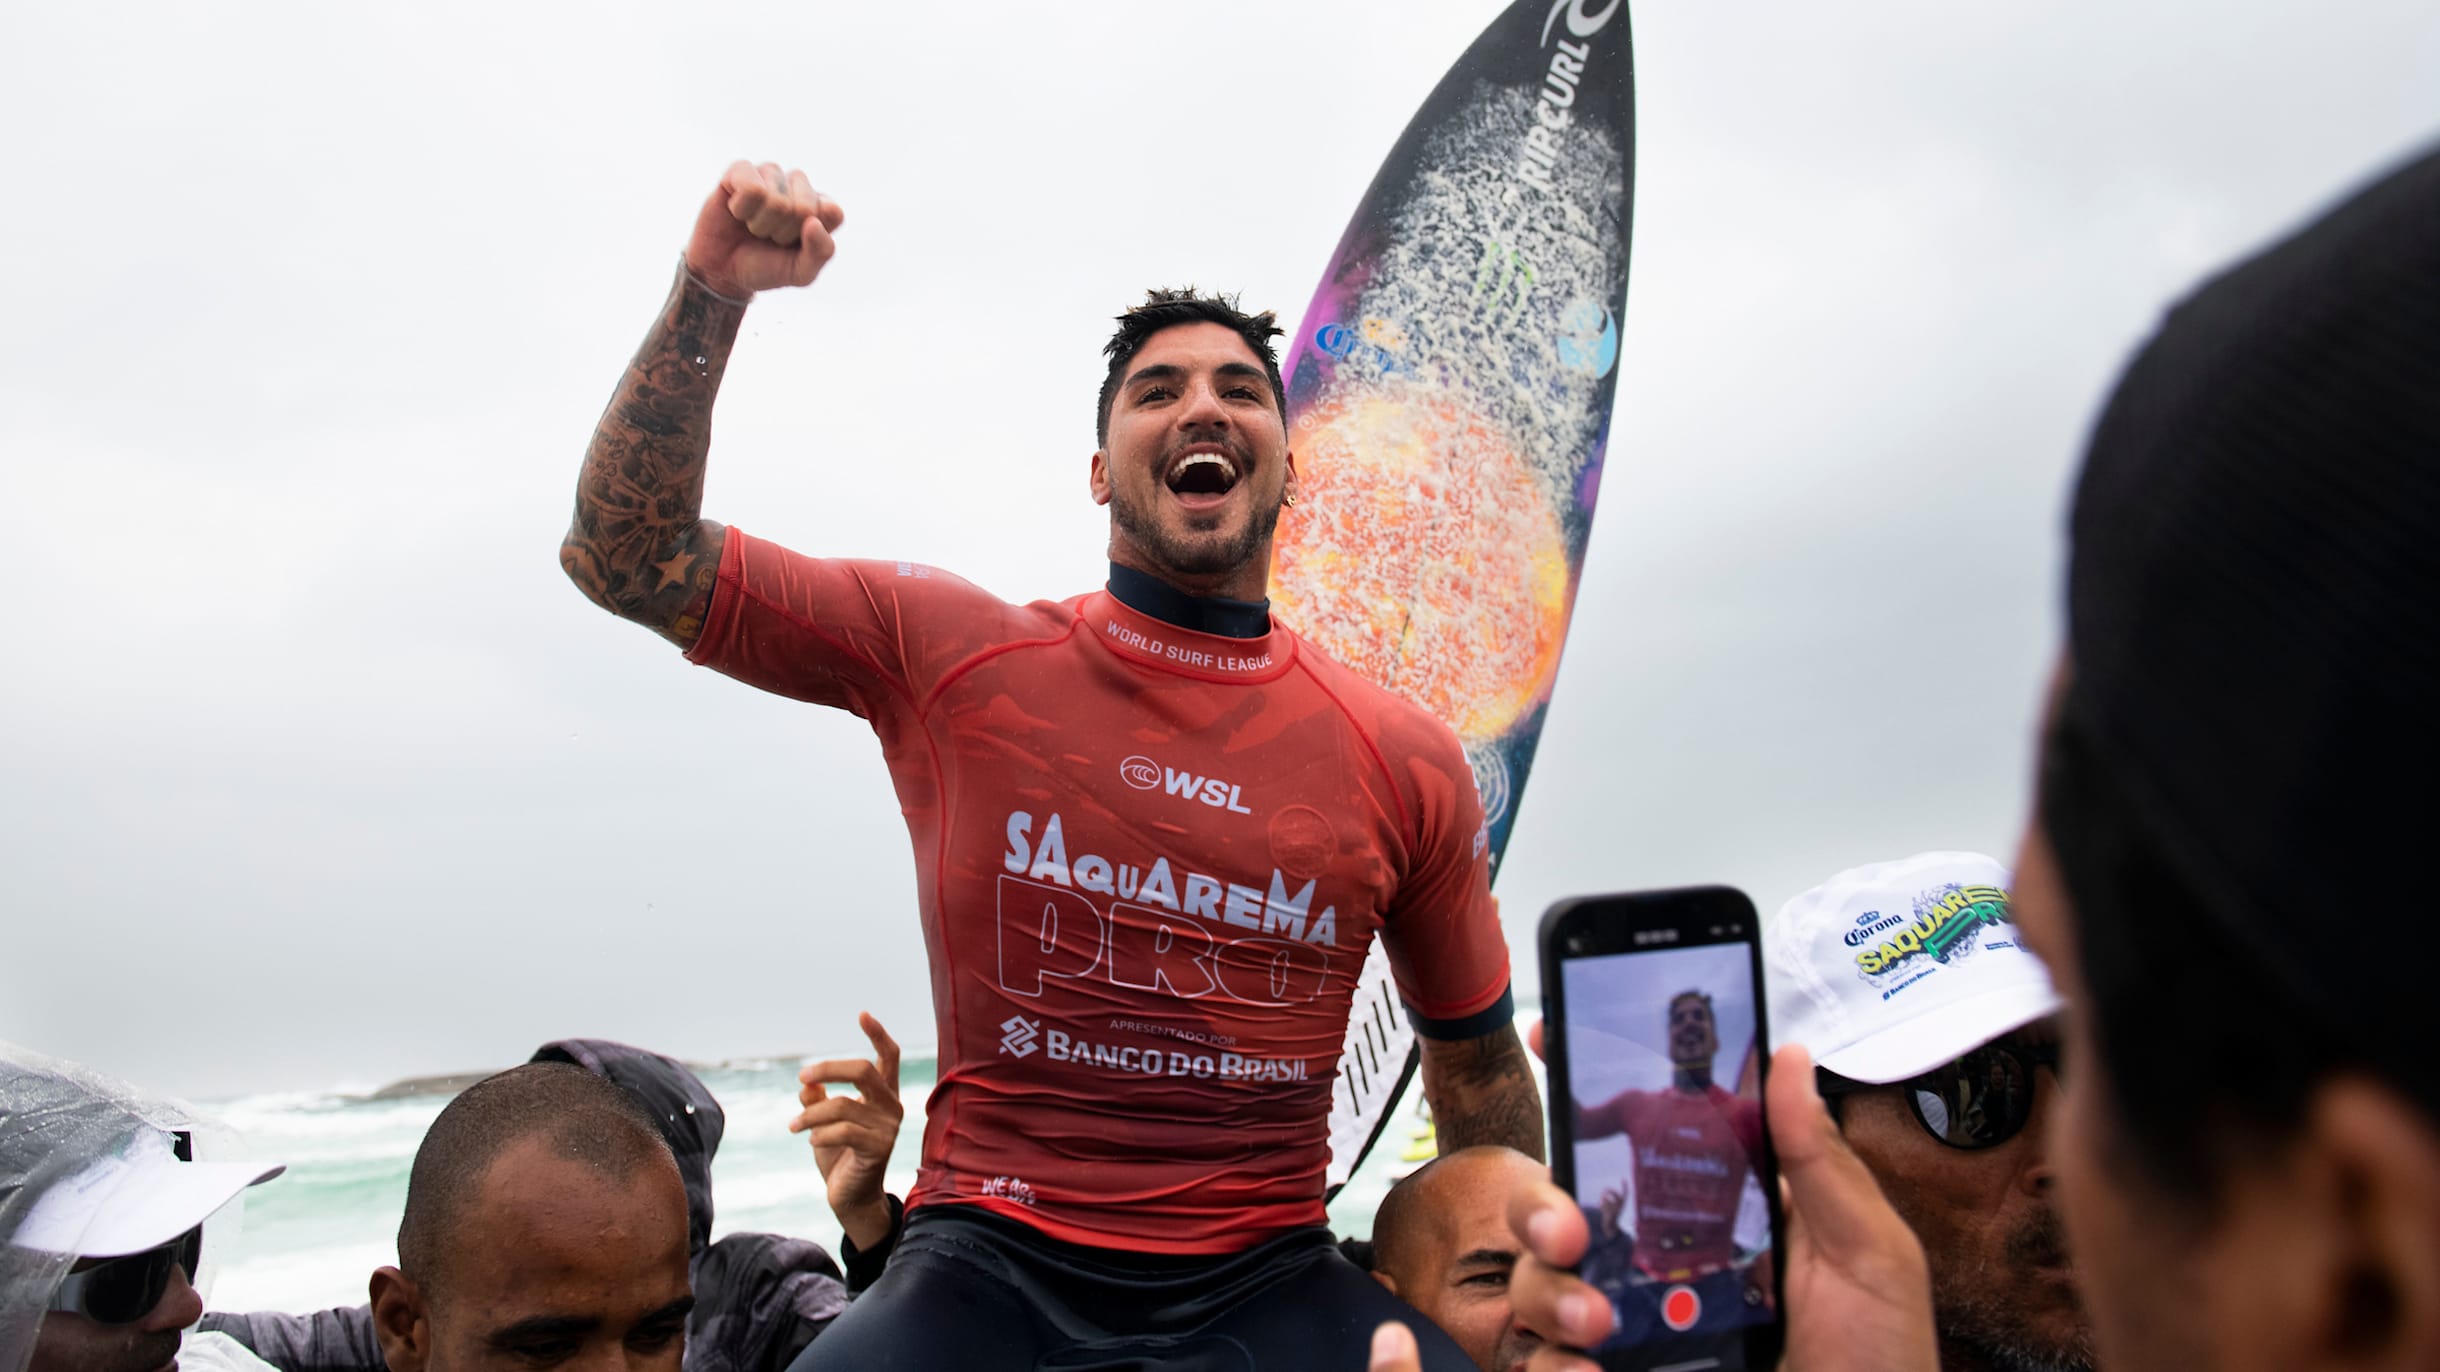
1147	594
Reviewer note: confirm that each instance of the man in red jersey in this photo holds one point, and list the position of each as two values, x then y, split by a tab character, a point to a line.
1694	1150
1156	834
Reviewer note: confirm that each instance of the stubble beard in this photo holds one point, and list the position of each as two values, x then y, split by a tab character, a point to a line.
1998	1328
2011	1357
1190	556
1514	1347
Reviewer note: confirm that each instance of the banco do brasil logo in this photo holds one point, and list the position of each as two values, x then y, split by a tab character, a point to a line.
1140	772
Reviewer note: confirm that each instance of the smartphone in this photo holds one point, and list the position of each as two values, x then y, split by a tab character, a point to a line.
1656	1045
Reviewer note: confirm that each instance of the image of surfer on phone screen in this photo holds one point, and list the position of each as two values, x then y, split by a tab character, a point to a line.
1693	1145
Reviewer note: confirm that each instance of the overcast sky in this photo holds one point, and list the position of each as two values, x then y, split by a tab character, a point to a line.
316	771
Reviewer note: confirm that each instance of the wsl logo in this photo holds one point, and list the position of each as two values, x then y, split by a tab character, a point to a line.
1144	774
1017	1035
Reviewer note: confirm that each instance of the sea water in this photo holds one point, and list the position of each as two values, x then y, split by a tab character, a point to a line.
309	1239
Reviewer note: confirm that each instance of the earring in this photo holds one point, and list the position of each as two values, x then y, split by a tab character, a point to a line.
1290	501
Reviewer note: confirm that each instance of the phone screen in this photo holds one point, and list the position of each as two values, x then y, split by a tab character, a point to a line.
1660	1121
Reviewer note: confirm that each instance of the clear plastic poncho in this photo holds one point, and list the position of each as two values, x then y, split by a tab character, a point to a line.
56	1119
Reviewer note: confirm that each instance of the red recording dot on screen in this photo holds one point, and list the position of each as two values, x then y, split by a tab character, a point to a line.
1681	1308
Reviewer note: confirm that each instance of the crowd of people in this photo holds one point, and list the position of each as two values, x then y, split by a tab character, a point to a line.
2143	1100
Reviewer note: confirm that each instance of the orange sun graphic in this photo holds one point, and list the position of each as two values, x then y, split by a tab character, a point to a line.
1422	554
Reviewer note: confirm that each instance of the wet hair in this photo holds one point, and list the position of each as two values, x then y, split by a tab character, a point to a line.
1165	308
2211	1058
582	1118
1702	996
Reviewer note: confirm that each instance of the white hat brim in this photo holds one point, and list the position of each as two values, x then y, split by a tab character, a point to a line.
1923	1042
154	1200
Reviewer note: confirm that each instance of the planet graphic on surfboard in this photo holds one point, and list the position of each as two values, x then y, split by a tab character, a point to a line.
1449	397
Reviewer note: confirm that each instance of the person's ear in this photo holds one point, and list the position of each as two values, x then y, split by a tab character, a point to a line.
2381	1296
1101	477
1289	494
1388	1282
401	1324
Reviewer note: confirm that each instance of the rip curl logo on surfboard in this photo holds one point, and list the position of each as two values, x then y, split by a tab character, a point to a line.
1894	952
1579	23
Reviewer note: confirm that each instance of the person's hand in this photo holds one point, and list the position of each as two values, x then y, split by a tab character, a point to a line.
852	1135
1547	1294
1613	1201
1859	1293
1858	1290
1394	1350
761	228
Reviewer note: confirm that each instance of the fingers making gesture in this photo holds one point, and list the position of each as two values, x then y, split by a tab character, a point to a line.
761	228
852	1135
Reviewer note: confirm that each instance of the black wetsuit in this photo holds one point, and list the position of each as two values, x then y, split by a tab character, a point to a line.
969	1290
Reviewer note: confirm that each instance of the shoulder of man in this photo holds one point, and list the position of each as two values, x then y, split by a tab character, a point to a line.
907	620
1398	725
340	1340
760	1298
925	590
209	1350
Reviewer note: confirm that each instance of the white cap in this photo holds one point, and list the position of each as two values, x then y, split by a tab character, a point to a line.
134	1200
1890	970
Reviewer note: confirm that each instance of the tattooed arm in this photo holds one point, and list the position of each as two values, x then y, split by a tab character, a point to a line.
639	546
1481	1091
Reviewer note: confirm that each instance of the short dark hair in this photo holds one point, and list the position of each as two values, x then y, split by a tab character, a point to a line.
1393	1230
2211	1058
1165	308
581	1117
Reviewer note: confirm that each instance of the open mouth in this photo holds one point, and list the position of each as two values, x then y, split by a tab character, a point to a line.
1202	473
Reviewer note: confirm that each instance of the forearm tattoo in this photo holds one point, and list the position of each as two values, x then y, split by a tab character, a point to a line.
1482	1091
639	546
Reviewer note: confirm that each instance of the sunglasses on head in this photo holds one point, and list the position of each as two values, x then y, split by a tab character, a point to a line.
125	1290
1980	1100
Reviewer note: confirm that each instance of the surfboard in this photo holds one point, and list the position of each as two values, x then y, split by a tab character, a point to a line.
1449	398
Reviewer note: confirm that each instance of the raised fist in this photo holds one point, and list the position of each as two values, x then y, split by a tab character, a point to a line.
762	227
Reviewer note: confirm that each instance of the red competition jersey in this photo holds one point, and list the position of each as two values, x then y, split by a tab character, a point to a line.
1149	863
1693	1152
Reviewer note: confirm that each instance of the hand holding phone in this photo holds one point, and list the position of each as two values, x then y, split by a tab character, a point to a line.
1857	1289
1654	1039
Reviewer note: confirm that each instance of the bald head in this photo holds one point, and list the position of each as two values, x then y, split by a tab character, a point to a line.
569	1113
1441	1241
